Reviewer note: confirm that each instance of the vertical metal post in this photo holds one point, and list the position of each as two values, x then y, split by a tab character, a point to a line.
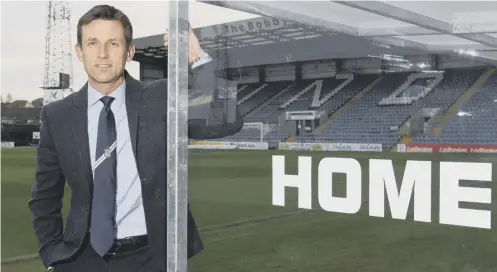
177	137
262	131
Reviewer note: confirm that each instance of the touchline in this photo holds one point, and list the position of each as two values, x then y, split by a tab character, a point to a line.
416	182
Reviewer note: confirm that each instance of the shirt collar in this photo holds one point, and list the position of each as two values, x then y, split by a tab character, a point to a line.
94	96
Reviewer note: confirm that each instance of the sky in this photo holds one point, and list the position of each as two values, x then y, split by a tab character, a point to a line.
24	27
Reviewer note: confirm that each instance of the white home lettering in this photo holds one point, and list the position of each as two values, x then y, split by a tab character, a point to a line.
416	183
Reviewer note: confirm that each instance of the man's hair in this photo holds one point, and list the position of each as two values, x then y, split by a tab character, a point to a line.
105	12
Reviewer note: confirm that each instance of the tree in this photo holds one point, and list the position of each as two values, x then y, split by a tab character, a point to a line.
9	98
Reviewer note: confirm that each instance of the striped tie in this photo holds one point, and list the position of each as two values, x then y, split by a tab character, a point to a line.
103	225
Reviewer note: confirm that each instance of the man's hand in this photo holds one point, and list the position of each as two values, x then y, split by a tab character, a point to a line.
194	49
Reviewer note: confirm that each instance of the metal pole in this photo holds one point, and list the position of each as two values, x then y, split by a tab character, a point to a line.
262	131
177	137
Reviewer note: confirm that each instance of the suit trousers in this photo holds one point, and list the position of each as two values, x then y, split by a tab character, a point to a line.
139	260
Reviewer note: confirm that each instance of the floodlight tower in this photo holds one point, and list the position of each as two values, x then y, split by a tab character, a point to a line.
58	79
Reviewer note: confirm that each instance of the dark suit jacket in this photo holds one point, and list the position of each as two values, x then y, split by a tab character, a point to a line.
63	158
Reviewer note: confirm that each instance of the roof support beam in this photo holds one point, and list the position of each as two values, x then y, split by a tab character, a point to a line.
455	47
400	42
407	16
399	31
476	28
409	31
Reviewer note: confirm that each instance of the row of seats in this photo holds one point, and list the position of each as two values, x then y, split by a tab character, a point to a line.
365	120
476	122
368	121
305	101
259	98
268	113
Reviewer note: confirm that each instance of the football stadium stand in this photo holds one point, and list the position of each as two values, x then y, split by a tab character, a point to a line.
380	113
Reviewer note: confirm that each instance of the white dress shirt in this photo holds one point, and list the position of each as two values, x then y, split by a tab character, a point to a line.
130	217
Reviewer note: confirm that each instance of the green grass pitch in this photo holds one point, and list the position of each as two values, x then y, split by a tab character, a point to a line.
230	194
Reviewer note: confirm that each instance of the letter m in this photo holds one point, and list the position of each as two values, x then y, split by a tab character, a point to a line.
417	180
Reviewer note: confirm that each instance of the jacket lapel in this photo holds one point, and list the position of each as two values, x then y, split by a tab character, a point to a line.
79	122
133	100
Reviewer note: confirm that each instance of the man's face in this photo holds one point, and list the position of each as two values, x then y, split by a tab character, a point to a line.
104	51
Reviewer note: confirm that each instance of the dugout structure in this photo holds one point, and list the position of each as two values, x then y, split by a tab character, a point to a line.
400	73
464	31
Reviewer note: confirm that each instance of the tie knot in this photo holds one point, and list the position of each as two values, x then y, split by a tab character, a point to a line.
107	100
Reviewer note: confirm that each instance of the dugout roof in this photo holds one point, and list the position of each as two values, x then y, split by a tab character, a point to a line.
355	29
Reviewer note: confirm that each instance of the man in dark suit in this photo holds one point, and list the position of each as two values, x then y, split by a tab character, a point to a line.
107	142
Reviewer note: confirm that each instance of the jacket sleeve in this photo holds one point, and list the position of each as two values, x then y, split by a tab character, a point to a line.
47	193
205	78
194	244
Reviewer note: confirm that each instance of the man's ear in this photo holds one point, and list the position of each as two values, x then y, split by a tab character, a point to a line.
79	52
131	53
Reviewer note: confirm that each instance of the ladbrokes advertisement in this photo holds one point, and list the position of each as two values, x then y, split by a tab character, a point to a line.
431	148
